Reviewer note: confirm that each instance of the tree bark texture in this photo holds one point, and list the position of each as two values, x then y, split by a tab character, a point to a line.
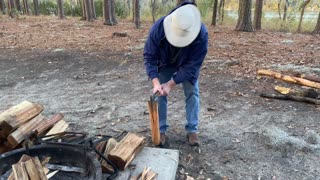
317	28
26	7
215	13
88	7
107	13
244	18
10	7
18	5
113	12
286	5
258	14
137	21
279	8
94	15
133	10
84	15
36	7
153	8
2	7
305	3
221	11
60	9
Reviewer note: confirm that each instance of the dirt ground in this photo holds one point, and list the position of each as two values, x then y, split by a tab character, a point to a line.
98	81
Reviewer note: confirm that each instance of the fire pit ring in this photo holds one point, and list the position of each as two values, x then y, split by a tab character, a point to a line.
60	154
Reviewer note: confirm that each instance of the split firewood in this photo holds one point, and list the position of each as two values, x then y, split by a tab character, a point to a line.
107	168
39	167
292	97
50	175
146	174
31	170
126	150
19	172
59	127
17	115
23	158
310	93
154	121
15	138
288	78
42	128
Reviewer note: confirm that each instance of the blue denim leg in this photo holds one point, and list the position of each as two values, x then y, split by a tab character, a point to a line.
191	92
164	76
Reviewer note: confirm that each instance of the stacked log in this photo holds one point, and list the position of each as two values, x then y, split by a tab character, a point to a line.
20	121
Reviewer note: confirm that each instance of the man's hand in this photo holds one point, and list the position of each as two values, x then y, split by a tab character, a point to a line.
157	86
166	87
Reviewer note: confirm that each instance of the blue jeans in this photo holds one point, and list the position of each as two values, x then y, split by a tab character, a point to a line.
192	107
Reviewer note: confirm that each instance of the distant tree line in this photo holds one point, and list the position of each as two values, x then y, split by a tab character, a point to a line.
245	22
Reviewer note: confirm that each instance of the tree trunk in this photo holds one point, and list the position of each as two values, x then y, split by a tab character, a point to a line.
137	14
285	10
129	7
36	7
2	7
88	10
153	8
113	12
317	28
26	7
244	20
84	16
214	14
133	10
60	9
221	11
94	15
258	14
305	3
279	8
18	5
107	13
10	7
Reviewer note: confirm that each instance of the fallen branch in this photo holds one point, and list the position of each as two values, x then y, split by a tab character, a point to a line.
288	78
291	97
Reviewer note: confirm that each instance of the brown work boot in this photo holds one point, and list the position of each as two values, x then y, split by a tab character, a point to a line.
193	139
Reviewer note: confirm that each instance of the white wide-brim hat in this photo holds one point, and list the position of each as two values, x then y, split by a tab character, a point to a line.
183	25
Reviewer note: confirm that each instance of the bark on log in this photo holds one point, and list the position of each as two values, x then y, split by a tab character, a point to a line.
291	97
15	138
126	150
288	78
42	128
310	78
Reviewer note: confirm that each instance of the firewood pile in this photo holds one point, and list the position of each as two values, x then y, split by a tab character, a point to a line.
309	93
23	120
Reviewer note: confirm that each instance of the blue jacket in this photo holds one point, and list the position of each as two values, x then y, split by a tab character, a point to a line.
156	54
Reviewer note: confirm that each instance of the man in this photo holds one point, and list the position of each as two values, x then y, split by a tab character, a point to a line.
173	54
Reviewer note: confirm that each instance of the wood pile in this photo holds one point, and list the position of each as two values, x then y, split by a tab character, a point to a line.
309	93
24	119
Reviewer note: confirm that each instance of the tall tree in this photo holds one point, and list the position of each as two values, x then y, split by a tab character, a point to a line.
215	13
36	7
286	5
244	16
88	8
221	11
94	15
279	8
60	9
107	13
153	10
258	14
18	5
317	28
2	7
26	7
303	6
10	7
137	21
84	16
113	12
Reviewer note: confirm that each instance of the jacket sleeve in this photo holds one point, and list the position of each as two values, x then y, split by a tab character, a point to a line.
191	68
151	53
